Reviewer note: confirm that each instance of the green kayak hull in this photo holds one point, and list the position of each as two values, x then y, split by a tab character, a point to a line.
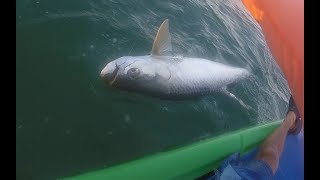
188	162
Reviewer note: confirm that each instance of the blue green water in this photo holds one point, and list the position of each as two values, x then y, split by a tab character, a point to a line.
68	122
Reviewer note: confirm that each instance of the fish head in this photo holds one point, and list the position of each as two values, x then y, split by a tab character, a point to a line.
136	73
144	74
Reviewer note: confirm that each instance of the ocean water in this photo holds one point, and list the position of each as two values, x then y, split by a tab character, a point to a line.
69	122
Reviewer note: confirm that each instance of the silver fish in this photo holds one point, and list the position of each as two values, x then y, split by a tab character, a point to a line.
170	77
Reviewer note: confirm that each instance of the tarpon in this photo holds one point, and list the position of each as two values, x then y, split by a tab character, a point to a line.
170	77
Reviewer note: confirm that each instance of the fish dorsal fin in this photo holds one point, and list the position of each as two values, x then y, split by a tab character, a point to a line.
162	42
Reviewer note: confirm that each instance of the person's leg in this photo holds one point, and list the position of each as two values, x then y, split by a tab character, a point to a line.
271	149
266	161
267	157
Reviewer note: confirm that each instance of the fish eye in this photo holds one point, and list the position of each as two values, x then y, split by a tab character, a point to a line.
133	73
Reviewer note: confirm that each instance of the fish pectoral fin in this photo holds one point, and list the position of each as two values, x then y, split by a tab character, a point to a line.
229	94
162	42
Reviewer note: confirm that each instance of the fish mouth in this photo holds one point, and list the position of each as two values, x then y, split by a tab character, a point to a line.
114	76
110	76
